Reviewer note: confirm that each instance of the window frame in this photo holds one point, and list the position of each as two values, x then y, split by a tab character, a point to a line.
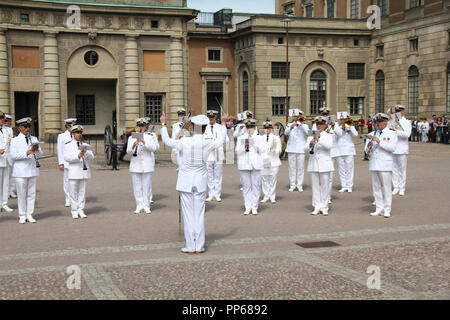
81	119
380	96
320	94
353	74
413	88
281	106
327	11
220	61
377	48
245	90
359	105
282	67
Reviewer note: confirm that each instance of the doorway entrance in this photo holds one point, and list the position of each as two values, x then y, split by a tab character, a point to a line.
26	105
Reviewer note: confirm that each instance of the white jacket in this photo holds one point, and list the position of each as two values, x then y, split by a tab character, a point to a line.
176	127
403	136
71	152
252	160
24	166
273	145
63	138
239	132
194	152
381	158
344	140
145	160
321	160
218	132
5	141
297	138
10	134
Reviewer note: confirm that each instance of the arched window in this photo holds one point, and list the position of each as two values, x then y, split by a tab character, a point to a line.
448	87
379	91
245	90
318	91
413	90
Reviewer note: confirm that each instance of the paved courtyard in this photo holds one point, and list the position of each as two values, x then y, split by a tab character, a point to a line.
127	256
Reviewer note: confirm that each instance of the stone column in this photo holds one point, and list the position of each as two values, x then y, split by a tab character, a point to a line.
4	73
52	90
131	81
176	93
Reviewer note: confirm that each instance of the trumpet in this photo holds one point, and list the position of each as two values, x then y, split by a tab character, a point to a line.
301	119
349	122
185	125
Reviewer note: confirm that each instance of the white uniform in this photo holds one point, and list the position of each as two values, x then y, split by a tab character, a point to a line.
192	184
176	128
141	169
241	129
25	173
64	138
250	165
401	156
334	153
272	162
381	165
296	154
346	154
320	165
214	163
5	168
12	182
77	176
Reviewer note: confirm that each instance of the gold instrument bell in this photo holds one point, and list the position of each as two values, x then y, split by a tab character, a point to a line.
300	119
349	122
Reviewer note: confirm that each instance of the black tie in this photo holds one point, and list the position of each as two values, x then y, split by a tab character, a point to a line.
78	144
26	137
212	127
267	138
1	130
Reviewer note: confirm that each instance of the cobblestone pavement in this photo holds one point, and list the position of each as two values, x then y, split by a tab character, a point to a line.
127	256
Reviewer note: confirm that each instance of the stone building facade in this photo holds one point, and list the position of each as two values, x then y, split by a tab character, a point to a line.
125	60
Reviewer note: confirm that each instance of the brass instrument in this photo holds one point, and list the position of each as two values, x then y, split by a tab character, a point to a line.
316	134
81	148
34	154
349	122
300	119
394	122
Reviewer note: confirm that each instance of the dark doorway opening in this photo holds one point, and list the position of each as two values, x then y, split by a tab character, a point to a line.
215	96
26	105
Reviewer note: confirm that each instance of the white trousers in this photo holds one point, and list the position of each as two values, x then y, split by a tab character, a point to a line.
26	195
382	190
399	171
346	168
12	182
296	162
4	186
77	193
330	185
66	185
193	211
142	184
320	182
215	172
251	188
269	183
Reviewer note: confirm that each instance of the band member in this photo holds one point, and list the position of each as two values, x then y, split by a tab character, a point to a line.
320	165
12	182
63	138
5	143
155	139
192	178
345	132
77	156
214	164
241	127
324	112
297	131
271	161
176	132
380	151
250	149
142	165
401	153
25	151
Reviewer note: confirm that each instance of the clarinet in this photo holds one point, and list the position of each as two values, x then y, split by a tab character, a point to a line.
34	155
136	150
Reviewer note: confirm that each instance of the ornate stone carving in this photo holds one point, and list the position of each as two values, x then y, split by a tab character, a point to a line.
92	35
41	17
139	23
91	21
107	21
59	19
7	15
124	22
320	53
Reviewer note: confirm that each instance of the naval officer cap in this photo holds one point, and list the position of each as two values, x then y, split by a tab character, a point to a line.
321	120
8	117
2	114
148	119
399	108
212	113
77	128
200	120
267	124
248	113
181	110
325	110
250	122
71	121
141	122
24	121
381	117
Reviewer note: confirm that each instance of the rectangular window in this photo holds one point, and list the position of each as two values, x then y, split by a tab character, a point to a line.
279	70
413	95
354	9
380	51
330	9
25	57
355	71
415	3
214	96
414	45
153	107
309	11
85	109
279	106
383	7
24	18
154	61
154	24
355	105
214	55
